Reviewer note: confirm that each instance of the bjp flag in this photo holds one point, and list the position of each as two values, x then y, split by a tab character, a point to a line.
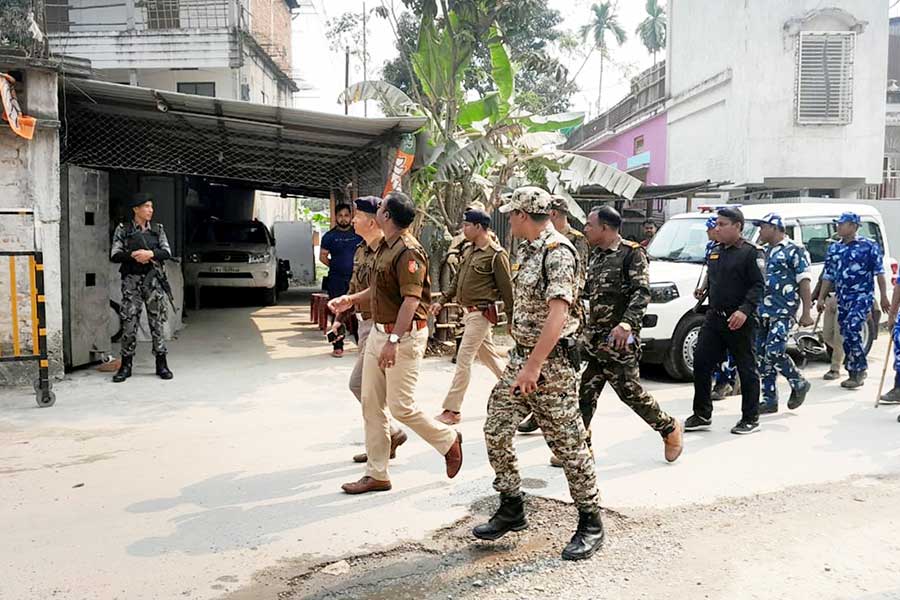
22	125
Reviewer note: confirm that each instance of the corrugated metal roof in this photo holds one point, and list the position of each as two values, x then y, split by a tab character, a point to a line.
147	98
116	126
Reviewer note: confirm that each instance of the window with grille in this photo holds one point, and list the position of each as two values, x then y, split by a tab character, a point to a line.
163	14
825	78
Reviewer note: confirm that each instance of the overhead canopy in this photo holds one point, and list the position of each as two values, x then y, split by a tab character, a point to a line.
113	126
648	192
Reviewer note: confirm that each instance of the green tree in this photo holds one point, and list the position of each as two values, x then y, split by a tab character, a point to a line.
604	22
530	31
653	29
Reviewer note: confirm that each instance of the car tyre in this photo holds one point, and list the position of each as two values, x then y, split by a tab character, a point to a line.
679	360
270	296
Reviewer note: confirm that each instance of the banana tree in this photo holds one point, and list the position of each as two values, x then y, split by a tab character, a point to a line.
477	148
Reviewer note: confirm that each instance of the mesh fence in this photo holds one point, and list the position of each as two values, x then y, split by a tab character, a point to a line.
261	156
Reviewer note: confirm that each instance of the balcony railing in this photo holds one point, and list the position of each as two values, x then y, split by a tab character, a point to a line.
74	16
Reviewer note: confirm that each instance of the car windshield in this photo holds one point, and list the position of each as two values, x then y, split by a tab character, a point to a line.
221	232
684	240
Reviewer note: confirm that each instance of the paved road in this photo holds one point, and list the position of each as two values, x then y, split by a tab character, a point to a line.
189	488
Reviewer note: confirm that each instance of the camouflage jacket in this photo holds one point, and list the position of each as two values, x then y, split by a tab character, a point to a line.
617	289
547	269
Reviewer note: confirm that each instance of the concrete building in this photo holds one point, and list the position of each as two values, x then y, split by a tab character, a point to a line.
631	136
781	98
232	49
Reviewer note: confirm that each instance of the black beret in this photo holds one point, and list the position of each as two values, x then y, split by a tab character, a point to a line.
368	204
139	199
608	215
477	217
731	213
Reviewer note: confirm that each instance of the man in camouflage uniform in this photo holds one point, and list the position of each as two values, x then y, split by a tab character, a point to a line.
141	247
559	217
787	271
618	292
541	375
893	396
851	268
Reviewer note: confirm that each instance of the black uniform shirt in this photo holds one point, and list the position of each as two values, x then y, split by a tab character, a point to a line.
735	278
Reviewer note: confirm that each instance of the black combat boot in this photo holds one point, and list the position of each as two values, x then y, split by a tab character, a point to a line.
124	371
855	381
587	539
509	517
162	368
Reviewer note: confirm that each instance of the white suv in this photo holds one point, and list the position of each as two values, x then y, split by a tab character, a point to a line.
672	325
232	254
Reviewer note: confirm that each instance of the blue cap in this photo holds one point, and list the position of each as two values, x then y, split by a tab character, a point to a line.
712	222
368	204
771	219
477	217
848	217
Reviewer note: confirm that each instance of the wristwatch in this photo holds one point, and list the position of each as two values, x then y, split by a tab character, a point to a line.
393	338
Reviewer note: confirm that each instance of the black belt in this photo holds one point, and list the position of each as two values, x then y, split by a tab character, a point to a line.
726	313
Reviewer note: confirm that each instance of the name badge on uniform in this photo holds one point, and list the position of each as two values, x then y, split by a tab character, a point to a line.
713	257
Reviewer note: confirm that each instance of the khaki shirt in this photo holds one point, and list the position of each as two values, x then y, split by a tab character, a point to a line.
548	269
401	270
363	264
483	277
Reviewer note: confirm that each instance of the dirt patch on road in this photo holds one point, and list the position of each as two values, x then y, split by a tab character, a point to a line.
702	550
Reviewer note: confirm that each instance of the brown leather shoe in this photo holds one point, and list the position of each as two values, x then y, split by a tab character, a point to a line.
397	439
366	484
674	443
449	417
454	457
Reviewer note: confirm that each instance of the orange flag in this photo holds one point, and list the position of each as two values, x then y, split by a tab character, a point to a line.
22	125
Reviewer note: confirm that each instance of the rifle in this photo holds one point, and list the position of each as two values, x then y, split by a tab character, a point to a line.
159	271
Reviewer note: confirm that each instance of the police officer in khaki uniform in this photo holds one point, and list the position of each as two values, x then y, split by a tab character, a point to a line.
541	376
400	294
483	278
366	226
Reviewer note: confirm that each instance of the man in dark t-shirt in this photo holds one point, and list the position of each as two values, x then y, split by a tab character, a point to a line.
336	252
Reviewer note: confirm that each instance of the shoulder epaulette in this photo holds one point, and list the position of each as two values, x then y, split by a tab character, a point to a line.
552	245
576	233
631	244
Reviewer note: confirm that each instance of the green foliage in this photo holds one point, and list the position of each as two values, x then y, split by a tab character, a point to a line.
604	21
14	24
654	29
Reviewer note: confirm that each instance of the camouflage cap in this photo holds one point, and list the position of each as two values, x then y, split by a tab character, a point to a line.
560	204
476	205
529	199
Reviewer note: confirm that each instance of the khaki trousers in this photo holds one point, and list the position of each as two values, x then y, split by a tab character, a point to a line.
365	328
477	340
393	389
831	333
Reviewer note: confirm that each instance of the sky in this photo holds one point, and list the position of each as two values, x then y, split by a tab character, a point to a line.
323	70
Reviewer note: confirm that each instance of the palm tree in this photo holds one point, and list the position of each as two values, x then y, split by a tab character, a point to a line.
604	21
653	29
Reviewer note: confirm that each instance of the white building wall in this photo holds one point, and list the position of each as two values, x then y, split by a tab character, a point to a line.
168	79
732	87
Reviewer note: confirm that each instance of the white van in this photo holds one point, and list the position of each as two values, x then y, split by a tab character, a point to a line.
672	326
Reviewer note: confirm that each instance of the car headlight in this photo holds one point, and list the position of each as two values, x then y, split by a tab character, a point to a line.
193	257
660	293
259	258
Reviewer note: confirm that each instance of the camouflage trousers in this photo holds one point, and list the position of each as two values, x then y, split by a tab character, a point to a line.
138	290
772	357
620	369
852	315
726	373
555	407
896	334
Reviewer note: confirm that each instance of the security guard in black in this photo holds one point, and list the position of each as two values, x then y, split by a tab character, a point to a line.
735	289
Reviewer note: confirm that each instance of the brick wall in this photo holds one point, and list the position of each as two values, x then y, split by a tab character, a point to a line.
271	26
